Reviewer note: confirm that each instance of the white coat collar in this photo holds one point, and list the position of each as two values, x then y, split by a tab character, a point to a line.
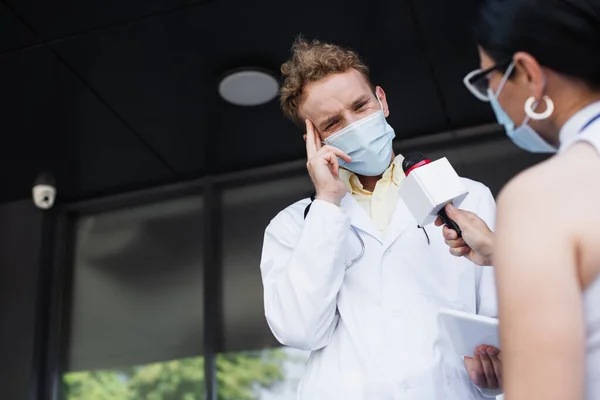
358	217
401	220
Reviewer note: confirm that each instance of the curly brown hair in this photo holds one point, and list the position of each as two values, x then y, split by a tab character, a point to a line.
311	62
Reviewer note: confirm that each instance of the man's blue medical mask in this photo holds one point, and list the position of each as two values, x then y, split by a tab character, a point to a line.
369	143
524	136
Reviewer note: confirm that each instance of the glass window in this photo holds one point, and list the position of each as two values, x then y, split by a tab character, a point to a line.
246	213
137	304
267	374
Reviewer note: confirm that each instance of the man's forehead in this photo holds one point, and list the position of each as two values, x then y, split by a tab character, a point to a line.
334	93
333	108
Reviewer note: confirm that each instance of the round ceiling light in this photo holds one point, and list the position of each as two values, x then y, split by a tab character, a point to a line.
248	87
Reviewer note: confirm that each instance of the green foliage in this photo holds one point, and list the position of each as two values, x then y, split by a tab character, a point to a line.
97	385
173	380
239	376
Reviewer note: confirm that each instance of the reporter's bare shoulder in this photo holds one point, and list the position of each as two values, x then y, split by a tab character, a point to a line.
582	164
529	189
560	196
561	180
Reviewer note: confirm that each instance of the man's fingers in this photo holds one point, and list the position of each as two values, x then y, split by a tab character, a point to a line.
316	136
488	370
337	152
327	154
496	362
438	222
332	159
311	148
475	371
318	141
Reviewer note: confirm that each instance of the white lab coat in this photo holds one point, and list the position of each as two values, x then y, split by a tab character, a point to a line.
371	326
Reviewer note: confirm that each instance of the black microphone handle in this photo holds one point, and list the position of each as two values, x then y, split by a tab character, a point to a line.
448	222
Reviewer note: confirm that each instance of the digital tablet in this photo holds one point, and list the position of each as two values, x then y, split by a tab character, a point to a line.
464	332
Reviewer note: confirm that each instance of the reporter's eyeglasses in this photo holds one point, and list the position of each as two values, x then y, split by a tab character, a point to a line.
477	81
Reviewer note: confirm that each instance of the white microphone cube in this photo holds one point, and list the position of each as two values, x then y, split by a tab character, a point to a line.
427	189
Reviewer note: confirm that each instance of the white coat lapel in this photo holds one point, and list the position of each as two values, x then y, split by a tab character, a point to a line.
358	217
402	220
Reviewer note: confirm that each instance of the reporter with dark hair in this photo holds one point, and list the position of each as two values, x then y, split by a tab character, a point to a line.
540	70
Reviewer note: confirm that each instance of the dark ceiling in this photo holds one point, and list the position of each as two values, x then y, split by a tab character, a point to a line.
112	96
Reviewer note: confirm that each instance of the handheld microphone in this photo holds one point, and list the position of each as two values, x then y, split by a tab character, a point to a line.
428	187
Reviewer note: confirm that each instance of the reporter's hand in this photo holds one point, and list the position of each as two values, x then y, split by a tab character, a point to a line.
476	243
485	368
323	167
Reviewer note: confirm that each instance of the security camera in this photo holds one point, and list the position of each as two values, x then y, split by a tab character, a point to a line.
44	191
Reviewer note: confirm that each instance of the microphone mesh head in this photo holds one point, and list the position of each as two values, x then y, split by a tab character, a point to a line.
412	159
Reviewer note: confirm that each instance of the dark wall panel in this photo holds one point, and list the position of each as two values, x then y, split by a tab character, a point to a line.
13	34
53	122
161	74
51	19
20	247
446	29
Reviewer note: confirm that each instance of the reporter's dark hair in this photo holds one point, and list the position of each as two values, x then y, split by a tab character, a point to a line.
563	35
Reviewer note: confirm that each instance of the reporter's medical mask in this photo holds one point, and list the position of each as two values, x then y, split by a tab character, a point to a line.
523	136
369	143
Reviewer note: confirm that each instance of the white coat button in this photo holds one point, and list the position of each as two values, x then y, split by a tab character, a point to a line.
381	227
